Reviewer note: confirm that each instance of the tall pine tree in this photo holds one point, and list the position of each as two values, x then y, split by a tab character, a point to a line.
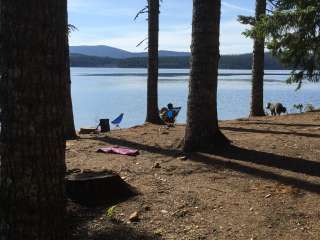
257	108
202	130
153	62
33	92
292	31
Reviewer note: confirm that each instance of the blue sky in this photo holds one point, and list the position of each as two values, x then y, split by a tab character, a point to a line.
110	22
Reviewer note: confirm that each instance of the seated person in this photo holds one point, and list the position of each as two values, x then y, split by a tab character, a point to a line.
168	114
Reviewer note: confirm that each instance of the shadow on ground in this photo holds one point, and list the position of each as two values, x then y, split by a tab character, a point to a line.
259	173
123	232
141	147
243	160
92	224
282	124
248	130
297	165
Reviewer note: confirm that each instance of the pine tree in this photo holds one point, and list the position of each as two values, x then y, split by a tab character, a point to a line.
153	62
33	66
202	130
292	31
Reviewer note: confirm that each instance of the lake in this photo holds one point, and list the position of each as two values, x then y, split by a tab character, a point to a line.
107	92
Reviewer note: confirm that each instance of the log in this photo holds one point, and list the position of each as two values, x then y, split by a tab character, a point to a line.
98	188
88	130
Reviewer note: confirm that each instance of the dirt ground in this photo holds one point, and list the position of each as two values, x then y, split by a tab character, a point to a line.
265	186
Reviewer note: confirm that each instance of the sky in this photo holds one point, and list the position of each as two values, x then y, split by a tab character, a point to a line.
110	22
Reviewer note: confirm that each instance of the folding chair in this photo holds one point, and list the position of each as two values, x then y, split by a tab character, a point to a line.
118	120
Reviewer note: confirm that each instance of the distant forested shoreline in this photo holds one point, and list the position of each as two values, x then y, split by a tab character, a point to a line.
242	61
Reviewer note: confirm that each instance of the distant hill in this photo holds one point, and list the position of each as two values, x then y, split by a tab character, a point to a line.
242	61
101	51
111	52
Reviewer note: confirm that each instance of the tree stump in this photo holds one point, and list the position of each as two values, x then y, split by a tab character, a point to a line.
98	188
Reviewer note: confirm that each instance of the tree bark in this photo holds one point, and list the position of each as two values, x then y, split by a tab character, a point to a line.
257	108
33	102
202	130
153	45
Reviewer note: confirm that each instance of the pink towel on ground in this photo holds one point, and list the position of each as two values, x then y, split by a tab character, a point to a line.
119	150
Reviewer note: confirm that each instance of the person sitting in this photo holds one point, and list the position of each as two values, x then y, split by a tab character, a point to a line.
168	114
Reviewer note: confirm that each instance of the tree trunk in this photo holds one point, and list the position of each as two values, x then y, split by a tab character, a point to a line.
33	102
257	108
70	131
152	89
202	130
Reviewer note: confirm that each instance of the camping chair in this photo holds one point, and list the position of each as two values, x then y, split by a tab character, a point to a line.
118	120
170	116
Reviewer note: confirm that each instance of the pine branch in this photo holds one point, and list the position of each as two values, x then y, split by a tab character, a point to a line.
142	11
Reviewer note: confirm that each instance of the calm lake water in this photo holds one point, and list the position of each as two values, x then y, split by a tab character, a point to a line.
107	92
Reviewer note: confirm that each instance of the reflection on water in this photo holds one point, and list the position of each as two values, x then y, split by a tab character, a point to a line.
106	92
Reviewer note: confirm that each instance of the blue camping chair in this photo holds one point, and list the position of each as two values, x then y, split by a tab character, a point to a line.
171	116
118	120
